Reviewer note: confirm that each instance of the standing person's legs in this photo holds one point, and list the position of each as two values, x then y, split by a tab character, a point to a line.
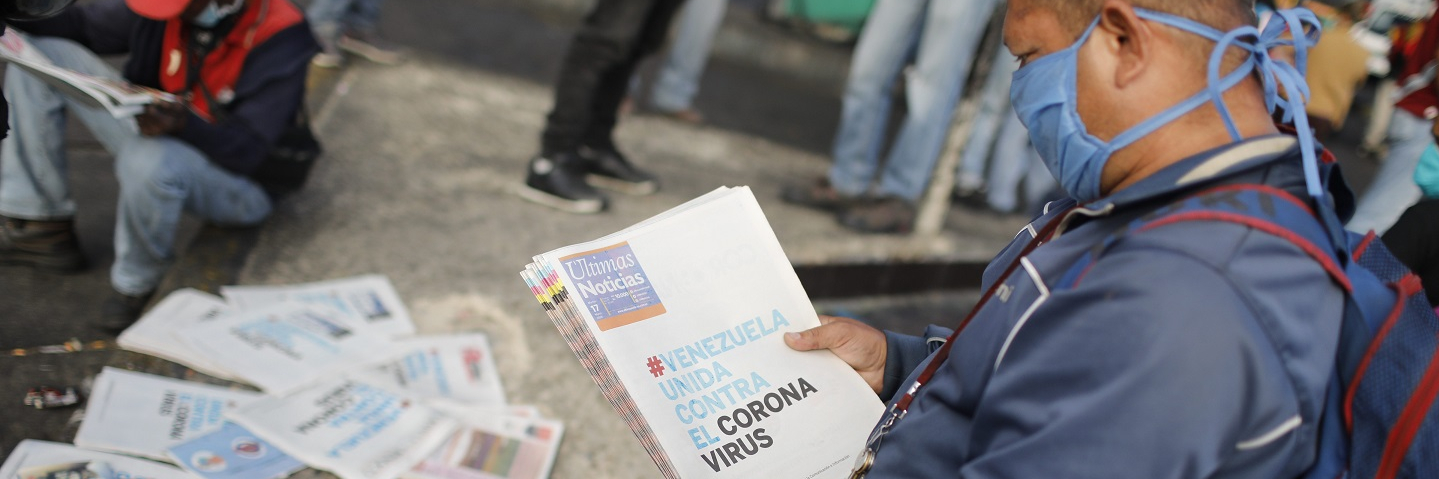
679	78
883	49
327	19
592	83
993	112
1393	189
952	32
1010	165
614	82
604	42
360	33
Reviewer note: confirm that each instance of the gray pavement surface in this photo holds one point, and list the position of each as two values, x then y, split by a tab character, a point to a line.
416	184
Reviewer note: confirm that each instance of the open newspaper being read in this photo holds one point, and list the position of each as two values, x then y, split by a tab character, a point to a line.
680	320
120	98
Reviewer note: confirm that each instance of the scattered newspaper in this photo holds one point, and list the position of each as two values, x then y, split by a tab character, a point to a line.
496	446
143	414
286	346
121	99
371	298
233	452
457	369
155	333
680	321
353	429
49	460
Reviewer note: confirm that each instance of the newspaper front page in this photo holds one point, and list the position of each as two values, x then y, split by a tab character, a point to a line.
34	459
143	414
371	298
689	311
353	429
286	346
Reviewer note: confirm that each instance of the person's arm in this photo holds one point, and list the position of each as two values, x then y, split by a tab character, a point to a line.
1154	367
269	93
102	27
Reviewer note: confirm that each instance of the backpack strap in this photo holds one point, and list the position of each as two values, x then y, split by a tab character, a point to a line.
1264	208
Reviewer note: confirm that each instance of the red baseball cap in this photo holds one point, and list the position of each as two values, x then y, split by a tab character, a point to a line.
158	9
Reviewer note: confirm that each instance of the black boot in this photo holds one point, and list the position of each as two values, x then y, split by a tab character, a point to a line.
558	181
609	169
119	311
46	245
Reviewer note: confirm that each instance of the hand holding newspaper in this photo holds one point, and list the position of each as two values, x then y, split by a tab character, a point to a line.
680	321
121	99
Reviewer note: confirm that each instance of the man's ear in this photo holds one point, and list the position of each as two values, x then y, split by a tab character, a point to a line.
1128	38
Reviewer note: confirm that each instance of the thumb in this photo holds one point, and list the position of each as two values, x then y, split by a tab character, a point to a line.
826	336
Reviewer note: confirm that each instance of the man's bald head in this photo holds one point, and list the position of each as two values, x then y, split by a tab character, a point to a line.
1224	15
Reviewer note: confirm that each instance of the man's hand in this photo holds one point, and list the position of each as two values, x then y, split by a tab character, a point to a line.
162	118
859	345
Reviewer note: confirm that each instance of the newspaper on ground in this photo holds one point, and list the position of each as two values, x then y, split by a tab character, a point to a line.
286	346
350	428
680	321
371	298
458	369
155	333
34	459
143	414
119	98
233	452
498	446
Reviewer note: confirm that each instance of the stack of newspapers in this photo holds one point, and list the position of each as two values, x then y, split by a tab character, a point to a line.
680	321
343	386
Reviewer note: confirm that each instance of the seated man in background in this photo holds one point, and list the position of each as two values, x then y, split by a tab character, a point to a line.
239	67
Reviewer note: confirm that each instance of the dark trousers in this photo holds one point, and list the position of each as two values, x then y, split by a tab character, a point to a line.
1415	241
595	76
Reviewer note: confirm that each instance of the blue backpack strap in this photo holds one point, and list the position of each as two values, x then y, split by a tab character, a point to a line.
1263	208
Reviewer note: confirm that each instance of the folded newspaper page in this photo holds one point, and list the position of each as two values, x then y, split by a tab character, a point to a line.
143	414
50	460
154	334
233	452
371	298
286	346
458	369
119	98
680	319
353	429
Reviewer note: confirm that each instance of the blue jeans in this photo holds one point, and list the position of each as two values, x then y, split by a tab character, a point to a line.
159	176
1016	162
330	18
679	78
943	34
993	108
1393	189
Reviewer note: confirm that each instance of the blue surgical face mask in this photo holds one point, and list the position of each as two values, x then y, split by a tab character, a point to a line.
213	13
1044	96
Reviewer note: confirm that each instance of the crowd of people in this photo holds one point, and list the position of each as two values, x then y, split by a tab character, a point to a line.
1092	343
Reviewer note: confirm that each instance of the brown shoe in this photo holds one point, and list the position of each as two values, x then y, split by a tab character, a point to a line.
883	215
47	245
818	194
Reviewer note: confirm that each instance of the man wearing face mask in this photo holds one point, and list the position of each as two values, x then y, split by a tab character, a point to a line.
239	67
1195	349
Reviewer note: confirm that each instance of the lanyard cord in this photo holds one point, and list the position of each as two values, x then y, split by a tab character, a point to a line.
942	355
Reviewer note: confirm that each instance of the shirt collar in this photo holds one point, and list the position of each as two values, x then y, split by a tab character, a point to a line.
1203	167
